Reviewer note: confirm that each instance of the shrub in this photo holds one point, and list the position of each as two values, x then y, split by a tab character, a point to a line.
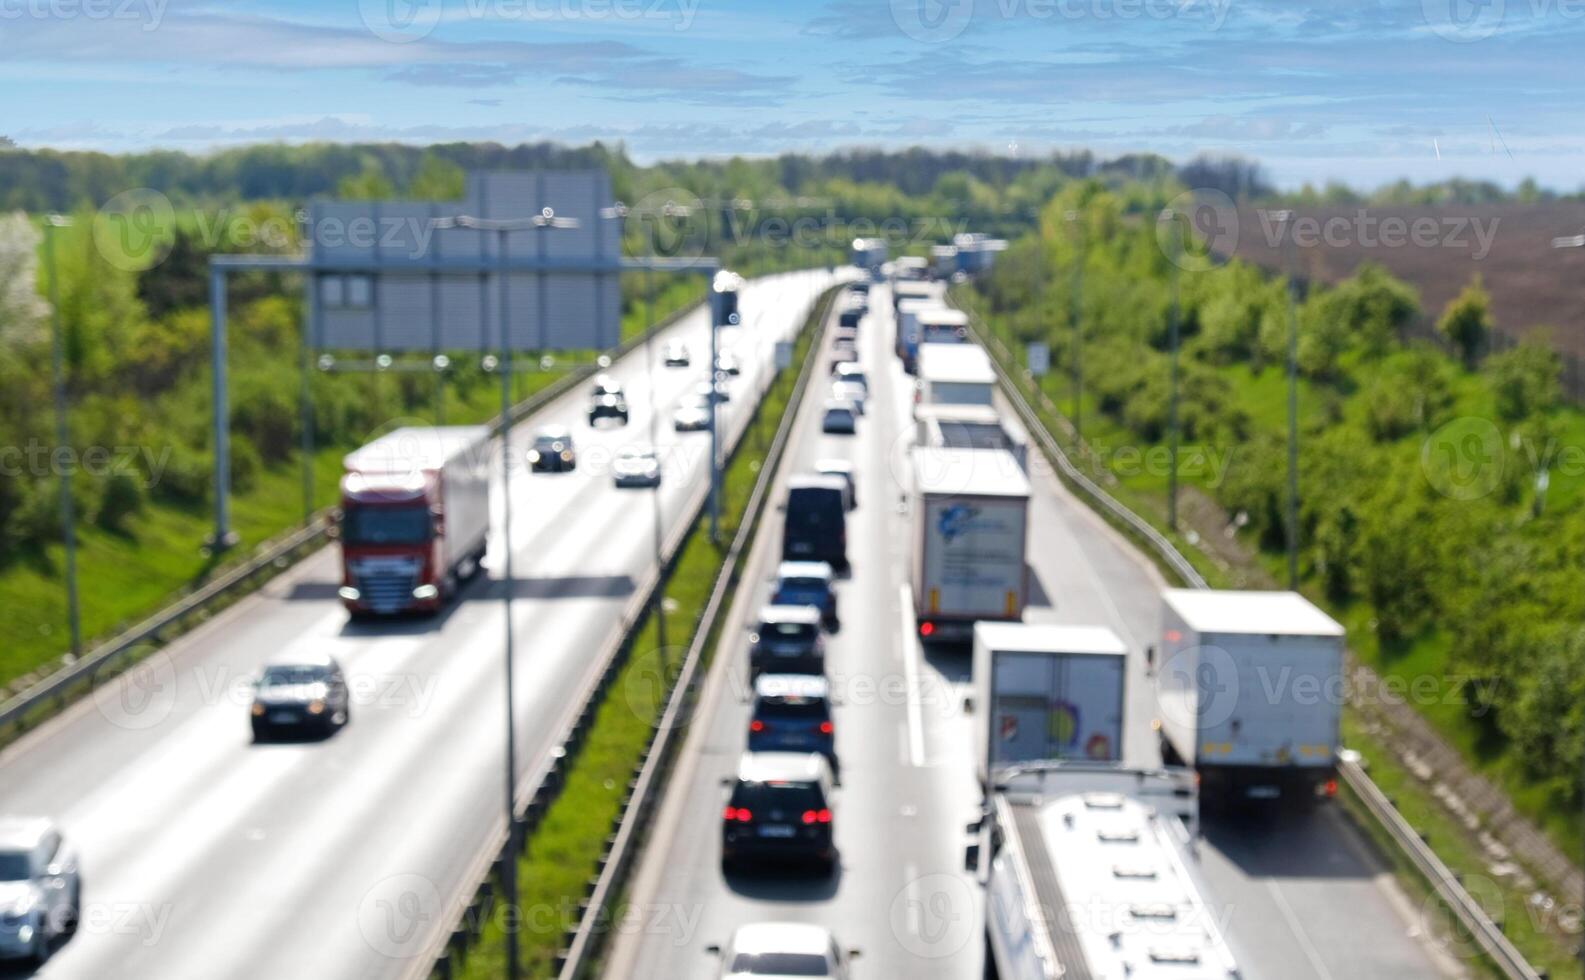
120	498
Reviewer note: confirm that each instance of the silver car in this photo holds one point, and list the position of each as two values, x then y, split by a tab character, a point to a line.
40	890
635	467
783	949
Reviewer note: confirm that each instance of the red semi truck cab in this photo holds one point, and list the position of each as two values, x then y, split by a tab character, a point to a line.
415	518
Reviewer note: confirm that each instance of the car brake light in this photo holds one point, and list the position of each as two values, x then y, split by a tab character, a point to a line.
1331	787
826	728
737	814
756	726
817	816
926	628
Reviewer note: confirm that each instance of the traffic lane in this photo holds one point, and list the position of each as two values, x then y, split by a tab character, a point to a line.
900	893
207	738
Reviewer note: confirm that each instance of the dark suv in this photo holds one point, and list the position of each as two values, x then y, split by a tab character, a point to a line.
792	713
608	407
787	640
779	808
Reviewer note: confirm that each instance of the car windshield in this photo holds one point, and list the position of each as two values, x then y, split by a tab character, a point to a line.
289	675
780	964
802	585
767	797
386	525
551	440
13	866
794	709
788	631
635	456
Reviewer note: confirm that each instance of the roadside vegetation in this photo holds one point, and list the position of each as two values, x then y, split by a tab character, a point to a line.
1441	487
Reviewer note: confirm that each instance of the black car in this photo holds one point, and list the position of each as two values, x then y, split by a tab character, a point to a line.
306	694
677	354
608	407
779	808
552	450
814	527
792	713
787	640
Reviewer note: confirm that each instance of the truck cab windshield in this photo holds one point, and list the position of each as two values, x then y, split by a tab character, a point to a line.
386	525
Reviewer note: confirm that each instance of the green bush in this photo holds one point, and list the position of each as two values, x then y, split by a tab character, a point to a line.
120	497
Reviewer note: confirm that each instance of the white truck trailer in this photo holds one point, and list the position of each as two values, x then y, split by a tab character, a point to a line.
1091	873
969	427
1044	692
955	374
971	516
1250	689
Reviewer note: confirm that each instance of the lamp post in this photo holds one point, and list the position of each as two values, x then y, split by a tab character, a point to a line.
1076	310
546	219
1171	217
1285	217
62	433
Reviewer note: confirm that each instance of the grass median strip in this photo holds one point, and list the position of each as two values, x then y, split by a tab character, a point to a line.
563	852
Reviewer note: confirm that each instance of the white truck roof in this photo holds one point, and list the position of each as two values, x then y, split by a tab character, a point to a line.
969	472
1265	613
943	316
1049	638
414	449
955	364
957	412
1125	900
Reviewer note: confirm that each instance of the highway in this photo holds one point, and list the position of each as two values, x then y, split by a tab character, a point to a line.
1297	899
204	855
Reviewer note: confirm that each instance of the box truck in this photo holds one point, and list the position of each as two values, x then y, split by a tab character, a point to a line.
1045	692
971	514
955	374
969	427
415	517
1250	690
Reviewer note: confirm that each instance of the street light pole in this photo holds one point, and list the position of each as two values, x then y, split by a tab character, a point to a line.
63	433
545	219
1292	510
1171	216
1076	304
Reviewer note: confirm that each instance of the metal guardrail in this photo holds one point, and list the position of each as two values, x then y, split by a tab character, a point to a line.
615	865
1441	878
1471	916
273	558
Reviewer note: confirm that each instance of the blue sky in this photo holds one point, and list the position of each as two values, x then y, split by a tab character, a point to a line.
1364	92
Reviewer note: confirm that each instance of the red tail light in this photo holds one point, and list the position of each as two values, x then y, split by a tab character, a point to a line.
926	628
756	726
817	816
737	815
825	728
1331	787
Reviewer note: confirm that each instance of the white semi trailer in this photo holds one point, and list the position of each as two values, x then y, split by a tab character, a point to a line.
1250	690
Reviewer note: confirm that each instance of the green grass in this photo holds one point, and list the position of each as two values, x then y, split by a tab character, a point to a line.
126	577
563	850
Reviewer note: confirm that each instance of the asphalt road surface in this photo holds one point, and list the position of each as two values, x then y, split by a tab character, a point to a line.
1297	898
205	855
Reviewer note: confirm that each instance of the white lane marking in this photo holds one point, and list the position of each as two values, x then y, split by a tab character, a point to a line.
916	725
1310	952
